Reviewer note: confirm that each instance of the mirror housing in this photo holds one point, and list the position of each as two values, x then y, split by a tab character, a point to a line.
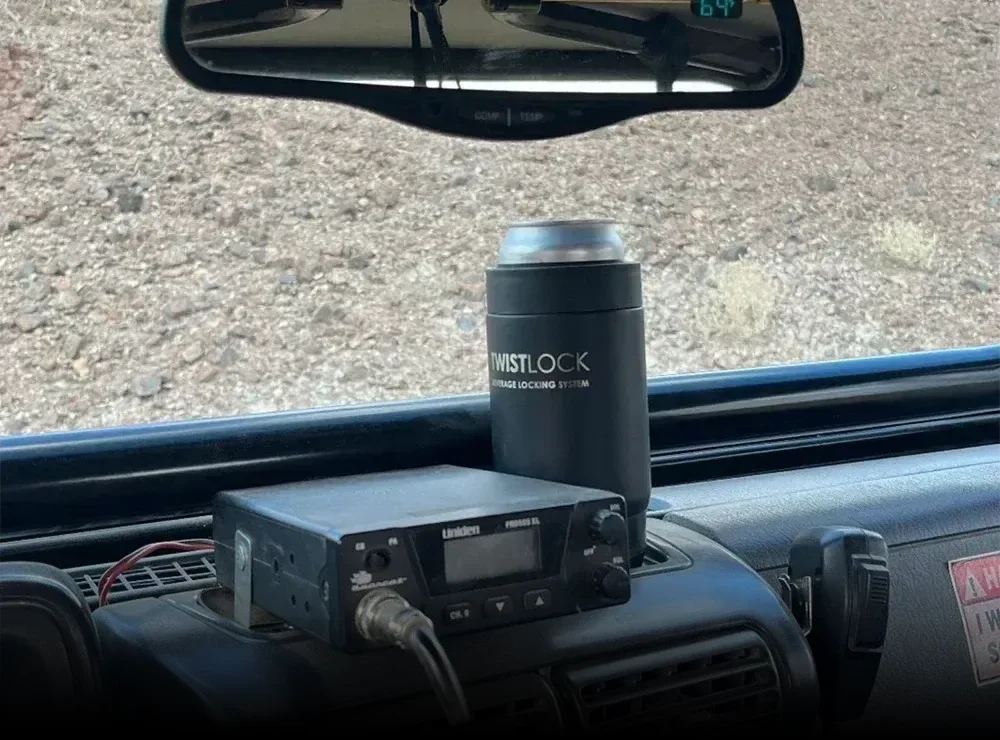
237	59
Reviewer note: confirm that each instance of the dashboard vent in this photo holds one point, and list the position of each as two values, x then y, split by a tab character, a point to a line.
719	681
661	556
155	576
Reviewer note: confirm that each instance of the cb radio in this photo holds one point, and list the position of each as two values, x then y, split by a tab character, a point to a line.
472	549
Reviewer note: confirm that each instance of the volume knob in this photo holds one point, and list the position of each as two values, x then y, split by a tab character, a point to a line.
608	528
612	582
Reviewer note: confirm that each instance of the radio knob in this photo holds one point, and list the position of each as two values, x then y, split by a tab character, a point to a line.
612	582
608	528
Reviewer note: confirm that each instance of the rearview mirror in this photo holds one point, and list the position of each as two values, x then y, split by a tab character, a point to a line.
494	69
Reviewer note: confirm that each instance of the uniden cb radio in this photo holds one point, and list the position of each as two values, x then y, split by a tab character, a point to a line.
470	549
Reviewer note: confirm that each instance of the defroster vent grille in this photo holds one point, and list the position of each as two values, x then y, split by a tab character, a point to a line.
155	576
723	680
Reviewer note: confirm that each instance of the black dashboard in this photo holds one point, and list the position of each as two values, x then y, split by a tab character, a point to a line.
930	508
705	640
710	638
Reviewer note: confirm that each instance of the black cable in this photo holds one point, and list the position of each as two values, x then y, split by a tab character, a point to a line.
425	647
384	617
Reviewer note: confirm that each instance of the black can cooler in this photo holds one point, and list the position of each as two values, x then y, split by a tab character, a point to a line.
567	363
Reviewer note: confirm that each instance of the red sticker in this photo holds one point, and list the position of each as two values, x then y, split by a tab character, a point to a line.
977	587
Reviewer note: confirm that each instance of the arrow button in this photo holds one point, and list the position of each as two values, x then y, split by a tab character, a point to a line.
536	600
499	606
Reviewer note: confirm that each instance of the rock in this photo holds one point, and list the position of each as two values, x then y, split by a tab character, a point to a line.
872	96
146	386
81	368
71	346
821	184
130	201
387	197
977	284
229	357
39	290
193	352
173	258
355	374
358	261
52	267
474	292
179	308
28	322
827	272
34	132
98	195
68	300
733	253
327	314
229	216
466	324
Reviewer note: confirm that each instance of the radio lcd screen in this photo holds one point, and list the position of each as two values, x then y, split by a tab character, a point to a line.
490	556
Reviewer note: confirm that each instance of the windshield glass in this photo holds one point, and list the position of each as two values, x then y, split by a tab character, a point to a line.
168	254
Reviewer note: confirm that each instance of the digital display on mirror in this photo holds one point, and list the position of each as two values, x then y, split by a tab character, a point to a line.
717	8
471	559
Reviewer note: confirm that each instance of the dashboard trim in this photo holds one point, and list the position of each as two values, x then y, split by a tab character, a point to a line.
703	426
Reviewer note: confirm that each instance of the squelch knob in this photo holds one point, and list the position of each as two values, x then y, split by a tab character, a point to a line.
608	528
612	582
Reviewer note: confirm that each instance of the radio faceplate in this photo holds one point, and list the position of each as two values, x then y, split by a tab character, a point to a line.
472	549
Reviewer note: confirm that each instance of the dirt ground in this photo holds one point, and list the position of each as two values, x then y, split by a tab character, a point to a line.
168	254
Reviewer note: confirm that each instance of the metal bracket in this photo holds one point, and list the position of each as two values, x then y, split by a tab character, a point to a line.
798	597
242	579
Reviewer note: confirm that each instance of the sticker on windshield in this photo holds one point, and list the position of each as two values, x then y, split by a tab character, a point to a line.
977	587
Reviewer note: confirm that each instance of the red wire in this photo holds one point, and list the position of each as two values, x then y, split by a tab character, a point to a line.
112	574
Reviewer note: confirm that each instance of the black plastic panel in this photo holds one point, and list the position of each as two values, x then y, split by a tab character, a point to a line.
905	500
50	658
931	509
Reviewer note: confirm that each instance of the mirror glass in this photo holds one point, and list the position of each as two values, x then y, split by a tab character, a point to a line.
547	46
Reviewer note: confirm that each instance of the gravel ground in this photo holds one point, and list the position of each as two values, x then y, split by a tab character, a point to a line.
168	254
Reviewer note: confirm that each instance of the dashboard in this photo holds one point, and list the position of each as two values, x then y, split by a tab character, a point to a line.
705	640
930	508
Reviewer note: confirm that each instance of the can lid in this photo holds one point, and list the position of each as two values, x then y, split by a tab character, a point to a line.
542	242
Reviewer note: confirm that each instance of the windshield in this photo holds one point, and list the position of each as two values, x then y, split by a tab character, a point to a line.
168	254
